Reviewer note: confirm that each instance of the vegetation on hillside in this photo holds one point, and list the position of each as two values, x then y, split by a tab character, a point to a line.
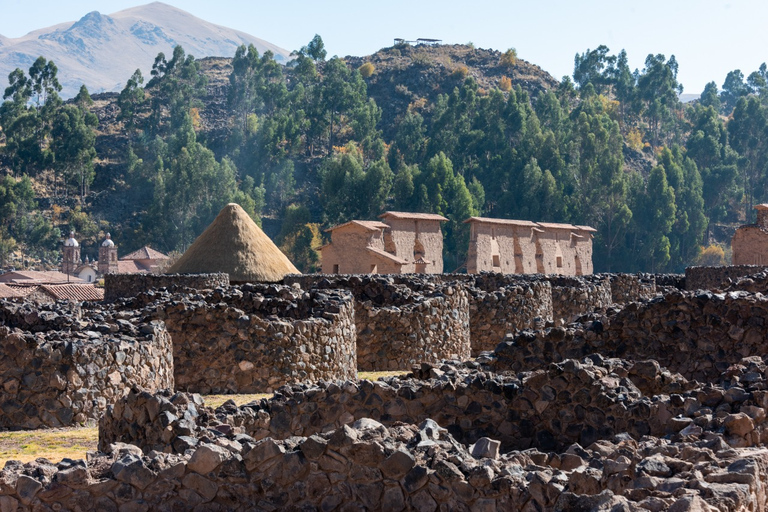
450	129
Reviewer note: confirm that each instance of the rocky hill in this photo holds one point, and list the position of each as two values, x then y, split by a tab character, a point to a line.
405	74
102	51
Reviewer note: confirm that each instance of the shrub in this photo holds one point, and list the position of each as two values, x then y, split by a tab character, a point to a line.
634	139
366	70
505	83
711	256
508	58
460	72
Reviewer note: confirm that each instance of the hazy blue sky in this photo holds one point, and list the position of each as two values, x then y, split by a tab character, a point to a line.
708	37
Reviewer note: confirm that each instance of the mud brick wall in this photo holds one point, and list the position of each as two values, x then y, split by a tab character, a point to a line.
118	286
51	377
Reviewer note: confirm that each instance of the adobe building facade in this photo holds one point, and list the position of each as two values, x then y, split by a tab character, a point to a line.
750	242
403	243
525	247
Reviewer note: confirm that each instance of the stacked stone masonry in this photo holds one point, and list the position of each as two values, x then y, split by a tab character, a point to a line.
254	338
717	278
403	322
117	286
695	334
608	413
60	369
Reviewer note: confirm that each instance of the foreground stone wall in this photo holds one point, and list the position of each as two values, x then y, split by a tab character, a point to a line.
255	338
717	278
581	435
118	286
59	370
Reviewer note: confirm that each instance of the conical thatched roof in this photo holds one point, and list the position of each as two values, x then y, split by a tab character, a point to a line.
234	244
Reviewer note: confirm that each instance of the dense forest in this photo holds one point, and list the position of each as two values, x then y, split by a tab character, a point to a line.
452	130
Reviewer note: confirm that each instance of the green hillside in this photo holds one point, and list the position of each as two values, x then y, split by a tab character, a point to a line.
448	129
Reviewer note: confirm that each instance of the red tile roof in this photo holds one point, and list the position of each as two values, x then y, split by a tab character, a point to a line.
74	292
38	277
130	267
145	253
9	292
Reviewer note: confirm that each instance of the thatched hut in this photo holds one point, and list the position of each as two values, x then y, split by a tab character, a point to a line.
234	244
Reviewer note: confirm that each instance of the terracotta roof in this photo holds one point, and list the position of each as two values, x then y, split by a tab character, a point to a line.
370	225
130	267
9	292
762	206
413	216
586	228
145	253
386	255
37	277
509	222
422	261
74	292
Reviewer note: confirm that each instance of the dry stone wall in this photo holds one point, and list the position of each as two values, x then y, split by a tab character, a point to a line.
717	278
695	334
255	338
626	288
117	286
591	434
575	296
59	369
405	321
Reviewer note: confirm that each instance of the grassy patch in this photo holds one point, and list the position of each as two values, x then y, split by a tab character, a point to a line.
378	375
52	444
59	443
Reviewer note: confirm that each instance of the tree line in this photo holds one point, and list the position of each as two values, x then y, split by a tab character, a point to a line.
608	147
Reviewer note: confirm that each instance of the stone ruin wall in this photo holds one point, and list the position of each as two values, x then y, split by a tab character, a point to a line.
573	436
717	278
58	369
117	286
255	338
402	322
694	333
575	296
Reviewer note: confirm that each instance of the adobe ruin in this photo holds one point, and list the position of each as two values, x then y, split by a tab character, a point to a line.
403	243
525	247
750	242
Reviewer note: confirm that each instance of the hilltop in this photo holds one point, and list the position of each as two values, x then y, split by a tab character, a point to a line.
404	75
102	51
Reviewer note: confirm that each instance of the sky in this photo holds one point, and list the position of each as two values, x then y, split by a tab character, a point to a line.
709	38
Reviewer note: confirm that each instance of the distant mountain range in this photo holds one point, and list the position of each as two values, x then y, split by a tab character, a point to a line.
102	51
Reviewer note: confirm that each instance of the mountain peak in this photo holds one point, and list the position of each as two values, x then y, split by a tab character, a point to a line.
102	51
